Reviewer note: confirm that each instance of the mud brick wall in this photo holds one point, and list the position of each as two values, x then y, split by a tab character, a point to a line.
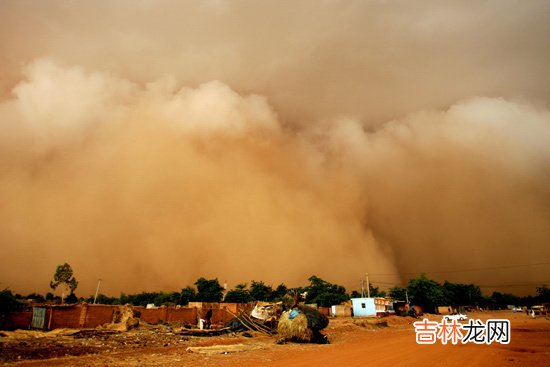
96	315
152	315
185	315
17	320
90	316
66	317
168	314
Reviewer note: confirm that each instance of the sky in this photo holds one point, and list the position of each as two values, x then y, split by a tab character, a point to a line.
149	143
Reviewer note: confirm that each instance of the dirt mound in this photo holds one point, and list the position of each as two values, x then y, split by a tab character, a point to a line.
371	322
390	321
397	321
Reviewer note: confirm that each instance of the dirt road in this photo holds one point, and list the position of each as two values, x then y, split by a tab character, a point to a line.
354	343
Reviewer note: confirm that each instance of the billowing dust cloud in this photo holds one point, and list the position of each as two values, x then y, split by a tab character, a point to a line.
148	144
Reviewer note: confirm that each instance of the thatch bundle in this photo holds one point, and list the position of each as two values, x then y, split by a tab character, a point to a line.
295	329
304	326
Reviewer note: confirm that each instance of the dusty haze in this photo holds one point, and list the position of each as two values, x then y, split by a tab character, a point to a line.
150	143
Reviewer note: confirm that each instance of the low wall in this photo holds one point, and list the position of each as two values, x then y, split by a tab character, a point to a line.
168	314
96	315
63	317
17	320
90	316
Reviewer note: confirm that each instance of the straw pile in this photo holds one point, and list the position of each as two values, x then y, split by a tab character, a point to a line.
296	329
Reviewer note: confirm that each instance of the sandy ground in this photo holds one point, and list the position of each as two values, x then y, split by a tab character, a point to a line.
354	342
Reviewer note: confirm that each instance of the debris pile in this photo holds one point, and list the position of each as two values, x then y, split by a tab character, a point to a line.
243	321
124	319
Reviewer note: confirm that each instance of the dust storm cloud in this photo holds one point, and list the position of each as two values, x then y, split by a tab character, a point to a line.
150	143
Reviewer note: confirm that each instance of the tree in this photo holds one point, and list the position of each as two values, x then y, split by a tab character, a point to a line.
35	297
167	298
279	292
141	299
8	302
188	294
500	300
426	293
375	291
238	295
64	277
462	294
355	294
208	290
398	293
543	294
103	299
324	293
71	298
259	291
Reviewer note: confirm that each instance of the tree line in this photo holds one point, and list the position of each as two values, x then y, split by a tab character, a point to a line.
421	291
430	294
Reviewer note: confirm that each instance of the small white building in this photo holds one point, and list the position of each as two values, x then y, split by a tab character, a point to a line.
340	310
363	307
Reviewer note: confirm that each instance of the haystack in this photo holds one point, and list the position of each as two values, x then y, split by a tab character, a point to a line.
295	329
302	324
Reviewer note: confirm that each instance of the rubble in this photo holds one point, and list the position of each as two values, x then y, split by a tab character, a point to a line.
27	344
126	332
124	319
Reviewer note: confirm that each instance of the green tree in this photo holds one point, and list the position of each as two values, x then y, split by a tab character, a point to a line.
543	294
259	291
324	293
500	300
426	293
279	292
71	298
8	301
103	299
398	293
238	295
167	298
462	294
64	277
375	291
355	294
208	290
35	297
141	299
188	294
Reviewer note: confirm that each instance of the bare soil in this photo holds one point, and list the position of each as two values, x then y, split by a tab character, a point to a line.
354	342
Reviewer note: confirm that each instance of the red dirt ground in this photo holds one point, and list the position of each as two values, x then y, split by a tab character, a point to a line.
354	342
